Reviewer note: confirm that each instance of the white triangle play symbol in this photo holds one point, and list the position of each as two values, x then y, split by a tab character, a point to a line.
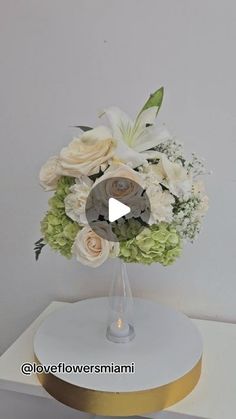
116	209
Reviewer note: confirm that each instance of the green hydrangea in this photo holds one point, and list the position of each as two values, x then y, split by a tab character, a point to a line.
158	243
58	230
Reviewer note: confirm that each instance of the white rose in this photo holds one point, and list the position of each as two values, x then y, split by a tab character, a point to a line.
88	154
75	202
49	174
92	250
161	204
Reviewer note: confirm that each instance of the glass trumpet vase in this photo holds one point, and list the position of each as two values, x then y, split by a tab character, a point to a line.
120	328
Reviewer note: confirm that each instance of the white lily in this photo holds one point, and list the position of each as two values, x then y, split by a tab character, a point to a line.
135	138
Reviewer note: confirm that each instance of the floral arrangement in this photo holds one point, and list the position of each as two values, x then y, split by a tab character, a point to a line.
144	152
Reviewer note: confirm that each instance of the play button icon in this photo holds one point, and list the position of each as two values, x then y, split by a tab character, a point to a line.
116	209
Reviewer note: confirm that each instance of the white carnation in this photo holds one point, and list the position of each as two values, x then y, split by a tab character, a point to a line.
75	202
151	174
161	204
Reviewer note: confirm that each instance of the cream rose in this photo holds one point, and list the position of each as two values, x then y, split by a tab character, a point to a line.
92	250
88	154
122	183
49	174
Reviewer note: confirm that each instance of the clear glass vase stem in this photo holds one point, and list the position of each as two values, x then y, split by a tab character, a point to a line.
120	327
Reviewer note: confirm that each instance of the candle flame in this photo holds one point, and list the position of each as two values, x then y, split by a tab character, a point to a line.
119	323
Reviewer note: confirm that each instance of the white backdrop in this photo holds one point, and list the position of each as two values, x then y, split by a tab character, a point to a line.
63	61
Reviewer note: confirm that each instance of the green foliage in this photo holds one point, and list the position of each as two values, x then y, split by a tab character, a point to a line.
155	99
83	127
58	230
38	246
159	243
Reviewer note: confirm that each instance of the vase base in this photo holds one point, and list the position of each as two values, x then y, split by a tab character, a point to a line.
120	339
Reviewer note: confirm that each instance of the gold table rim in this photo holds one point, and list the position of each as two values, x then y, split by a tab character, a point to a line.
129	403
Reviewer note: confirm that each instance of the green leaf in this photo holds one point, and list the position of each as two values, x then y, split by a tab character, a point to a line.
38	247
83	127
155	99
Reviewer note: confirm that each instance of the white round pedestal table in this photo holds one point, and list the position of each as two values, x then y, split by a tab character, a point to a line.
166	355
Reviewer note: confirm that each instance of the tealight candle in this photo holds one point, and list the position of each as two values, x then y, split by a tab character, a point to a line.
119	328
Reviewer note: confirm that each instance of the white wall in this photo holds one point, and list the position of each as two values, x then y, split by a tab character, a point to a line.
62	61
